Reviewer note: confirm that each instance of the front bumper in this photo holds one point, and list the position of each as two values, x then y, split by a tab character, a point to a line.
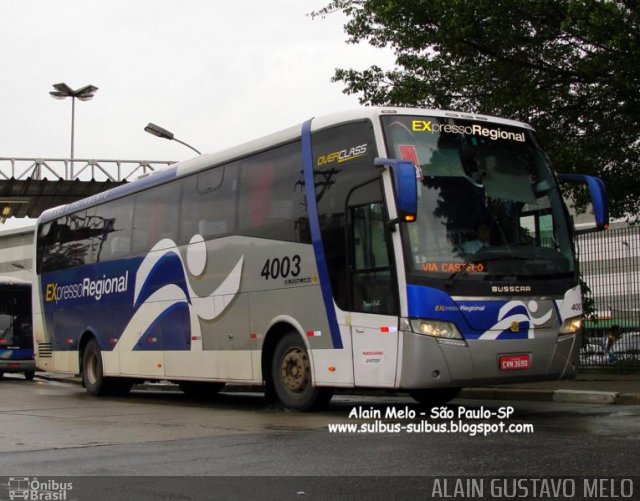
17	365
426	363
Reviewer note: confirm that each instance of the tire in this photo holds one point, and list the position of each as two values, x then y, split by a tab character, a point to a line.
1	374
93	378
200	389
29	375
291	376
434	397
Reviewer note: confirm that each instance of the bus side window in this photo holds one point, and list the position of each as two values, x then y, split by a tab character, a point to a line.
208	203
65	242
271	202
111	225
210	180
155	216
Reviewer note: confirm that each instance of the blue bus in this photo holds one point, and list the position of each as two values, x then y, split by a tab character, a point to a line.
407	249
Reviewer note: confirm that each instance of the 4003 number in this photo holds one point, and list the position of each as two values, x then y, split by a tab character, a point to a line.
284	267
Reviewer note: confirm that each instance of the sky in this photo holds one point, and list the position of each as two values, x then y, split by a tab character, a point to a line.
215	73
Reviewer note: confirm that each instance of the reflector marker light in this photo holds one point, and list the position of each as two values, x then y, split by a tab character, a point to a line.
314	333
253	335
388	329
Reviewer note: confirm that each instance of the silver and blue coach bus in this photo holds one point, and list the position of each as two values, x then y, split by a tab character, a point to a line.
405	249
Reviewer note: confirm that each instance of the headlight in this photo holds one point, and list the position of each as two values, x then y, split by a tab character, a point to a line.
571	325
435	328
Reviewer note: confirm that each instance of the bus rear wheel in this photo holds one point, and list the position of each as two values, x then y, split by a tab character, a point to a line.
29	375
291	376
435	396
93	377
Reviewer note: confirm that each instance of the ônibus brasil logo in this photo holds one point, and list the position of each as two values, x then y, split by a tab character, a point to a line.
87	288
38	490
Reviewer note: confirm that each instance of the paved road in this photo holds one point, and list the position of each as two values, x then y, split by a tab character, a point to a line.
53	428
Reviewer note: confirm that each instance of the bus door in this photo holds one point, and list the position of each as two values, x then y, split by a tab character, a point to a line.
372	289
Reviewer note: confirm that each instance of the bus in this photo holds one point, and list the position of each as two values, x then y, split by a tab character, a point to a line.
326	256
16	339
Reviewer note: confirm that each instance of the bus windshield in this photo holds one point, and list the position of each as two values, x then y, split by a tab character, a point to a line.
488	203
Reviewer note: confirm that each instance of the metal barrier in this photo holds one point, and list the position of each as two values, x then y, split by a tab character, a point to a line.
610	267
78	168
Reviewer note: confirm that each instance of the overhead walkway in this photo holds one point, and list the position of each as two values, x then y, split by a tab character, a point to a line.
28	186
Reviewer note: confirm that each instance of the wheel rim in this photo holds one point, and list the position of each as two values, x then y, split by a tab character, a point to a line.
295	370
91	368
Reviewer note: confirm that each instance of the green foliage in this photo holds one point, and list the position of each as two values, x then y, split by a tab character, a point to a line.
569	67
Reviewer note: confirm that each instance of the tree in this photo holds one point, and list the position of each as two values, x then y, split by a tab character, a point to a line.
569	67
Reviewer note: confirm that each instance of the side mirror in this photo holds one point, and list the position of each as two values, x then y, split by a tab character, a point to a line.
599	198
405	186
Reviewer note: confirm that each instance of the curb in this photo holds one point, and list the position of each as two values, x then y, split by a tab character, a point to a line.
585	397
506	394
628	399
560	396
480	393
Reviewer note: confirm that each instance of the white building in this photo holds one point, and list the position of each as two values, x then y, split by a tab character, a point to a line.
16	248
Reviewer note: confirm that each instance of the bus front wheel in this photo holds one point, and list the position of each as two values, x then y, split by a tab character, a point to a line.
291	376
93	377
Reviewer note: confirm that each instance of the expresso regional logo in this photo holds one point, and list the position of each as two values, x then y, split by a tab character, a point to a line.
471	130
87	288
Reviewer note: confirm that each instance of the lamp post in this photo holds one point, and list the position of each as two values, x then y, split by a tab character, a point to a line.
62	91
156	130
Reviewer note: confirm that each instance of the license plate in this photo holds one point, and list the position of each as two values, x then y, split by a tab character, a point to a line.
514	362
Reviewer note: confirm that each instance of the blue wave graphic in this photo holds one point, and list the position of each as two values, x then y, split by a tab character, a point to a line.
171	331
168	270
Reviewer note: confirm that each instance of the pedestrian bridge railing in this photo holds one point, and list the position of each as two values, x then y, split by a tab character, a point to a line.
78	168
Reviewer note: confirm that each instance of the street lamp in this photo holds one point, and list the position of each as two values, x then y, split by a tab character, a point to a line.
156	130
62	91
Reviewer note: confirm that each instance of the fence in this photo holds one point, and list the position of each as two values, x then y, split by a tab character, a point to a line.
610	267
